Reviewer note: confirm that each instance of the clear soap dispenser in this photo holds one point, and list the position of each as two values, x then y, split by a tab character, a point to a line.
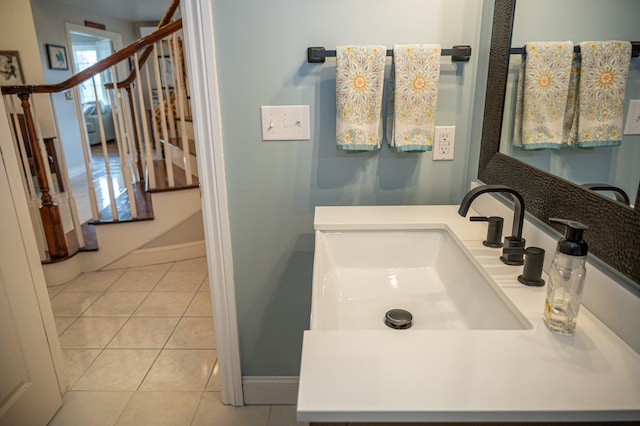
566	279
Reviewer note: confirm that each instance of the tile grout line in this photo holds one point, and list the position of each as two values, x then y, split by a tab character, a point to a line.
102	350
162	349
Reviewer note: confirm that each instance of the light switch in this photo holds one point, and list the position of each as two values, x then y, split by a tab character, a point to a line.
285	122
632	125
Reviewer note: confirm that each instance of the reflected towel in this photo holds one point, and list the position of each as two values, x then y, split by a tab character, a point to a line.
603	81
570	126
543	86
413	97
359	82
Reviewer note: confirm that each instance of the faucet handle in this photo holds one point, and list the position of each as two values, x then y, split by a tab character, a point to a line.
533	263
494	231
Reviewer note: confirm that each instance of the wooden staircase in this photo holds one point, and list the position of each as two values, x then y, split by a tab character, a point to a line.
143	183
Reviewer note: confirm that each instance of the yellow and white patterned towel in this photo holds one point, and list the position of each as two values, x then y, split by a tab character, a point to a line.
359	83
413	97
603	81
570	126
543	86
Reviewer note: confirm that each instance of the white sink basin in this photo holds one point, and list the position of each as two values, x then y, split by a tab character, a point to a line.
359	275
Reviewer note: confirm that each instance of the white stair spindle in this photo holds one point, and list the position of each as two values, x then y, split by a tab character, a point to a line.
163	115
129	120
105	153
186	157
65	175
168	152
154	125
122	151
127	136
167	91
143	120
93	201
133	112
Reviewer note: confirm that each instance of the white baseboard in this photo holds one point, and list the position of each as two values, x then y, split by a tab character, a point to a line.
61	272
156	255
270	390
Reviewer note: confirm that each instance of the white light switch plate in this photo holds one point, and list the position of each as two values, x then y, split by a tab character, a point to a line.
285	122
632	126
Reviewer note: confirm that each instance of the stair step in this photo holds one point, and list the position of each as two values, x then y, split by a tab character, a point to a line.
179	178
177	142
90	243
143	205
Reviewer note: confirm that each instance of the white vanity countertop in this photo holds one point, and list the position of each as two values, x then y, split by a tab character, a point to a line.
465	375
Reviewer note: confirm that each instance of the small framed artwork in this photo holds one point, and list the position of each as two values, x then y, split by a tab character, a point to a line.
10	68
57	56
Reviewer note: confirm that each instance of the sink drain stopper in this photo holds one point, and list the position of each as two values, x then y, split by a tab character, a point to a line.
398	319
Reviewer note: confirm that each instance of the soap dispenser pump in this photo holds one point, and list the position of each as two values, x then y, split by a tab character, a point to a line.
566	279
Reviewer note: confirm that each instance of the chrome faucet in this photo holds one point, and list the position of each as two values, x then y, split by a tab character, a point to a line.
509	256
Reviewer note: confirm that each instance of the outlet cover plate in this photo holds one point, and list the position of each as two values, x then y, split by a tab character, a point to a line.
285	122
443	143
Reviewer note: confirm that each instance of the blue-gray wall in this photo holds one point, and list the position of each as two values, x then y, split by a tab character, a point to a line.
274	187
579	20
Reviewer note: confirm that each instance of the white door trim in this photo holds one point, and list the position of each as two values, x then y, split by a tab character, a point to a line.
197	18
116	39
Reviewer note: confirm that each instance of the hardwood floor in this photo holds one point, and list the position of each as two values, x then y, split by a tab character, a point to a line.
179	178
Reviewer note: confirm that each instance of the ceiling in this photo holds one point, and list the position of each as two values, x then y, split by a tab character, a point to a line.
129	10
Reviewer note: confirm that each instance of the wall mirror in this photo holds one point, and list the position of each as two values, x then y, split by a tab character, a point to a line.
615	165
614	233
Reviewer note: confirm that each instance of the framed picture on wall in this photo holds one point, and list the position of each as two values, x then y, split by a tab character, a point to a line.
10	68
57	56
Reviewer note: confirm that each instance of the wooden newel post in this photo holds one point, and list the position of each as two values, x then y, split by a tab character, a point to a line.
49	213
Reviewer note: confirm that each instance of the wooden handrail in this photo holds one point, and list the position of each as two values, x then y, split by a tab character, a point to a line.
98	67
143	58
166	18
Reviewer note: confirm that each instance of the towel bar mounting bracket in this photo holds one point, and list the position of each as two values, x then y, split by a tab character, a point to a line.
316	55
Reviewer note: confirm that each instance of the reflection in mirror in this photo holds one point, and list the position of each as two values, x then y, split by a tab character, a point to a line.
577	21
614	228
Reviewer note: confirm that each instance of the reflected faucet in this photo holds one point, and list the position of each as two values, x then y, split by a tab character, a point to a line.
620	195
515	240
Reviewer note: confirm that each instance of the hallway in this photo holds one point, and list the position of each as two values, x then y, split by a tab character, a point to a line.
140	349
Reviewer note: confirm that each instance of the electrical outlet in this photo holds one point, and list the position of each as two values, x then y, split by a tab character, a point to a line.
632	126
444	141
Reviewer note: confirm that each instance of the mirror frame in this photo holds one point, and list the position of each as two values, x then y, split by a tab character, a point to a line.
614	228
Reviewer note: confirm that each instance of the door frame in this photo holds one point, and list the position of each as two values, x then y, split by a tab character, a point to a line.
116	38
198	31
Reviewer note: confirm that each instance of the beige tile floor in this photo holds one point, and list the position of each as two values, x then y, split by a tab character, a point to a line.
140	349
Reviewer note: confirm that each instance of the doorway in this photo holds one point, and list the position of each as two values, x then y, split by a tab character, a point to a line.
88	46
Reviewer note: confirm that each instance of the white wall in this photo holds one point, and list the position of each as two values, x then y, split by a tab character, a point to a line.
274	186
18	33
